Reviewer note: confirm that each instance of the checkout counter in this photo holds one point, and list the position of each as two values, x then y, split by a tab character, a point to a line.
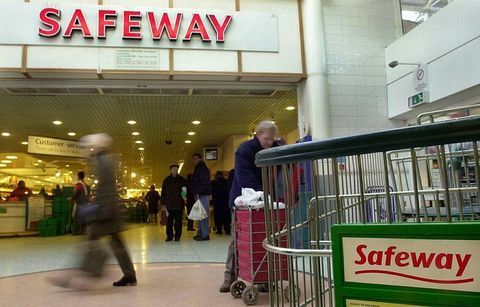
20	217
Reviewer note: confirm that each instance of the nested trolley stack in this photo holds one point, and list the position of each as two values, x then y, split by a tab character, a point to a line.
424	173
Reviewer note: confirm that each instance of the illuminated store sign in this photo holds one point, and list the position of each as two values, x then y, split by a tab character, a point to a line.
115	26
132	25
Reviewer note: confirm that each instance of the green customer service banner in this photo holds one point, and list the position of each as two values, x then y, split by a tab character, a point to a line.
430	264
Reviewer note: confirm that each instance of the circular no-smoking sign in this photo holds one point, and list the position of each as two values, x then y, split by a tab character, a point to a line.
420	74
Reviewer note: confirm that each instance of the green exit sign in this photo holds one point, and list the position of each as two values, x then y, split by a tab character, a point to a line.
415	100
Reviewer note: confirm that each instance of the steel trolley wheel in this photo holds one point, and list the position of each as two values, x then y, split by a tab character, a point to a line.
296	293
250	295
237	288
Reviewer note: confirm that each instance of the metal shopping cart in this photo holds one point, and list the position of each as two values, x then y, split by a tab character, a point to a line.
251	257
382	178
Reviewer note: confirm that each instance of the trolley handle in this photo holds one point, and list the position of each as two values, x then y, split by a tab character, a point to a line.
297	252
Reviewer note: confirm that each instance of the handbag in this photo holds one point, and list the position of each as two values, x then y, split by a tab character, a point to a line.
198	212
88	212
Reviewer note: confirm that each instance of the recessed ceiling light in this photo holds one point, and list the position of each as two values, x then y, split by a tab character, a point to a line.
188	141
138	142
131	122
57	122
5	134
11	157
68	165
141	148
39	161
35	176
290	108
191	133
135	133
6	161
36	164
72	134
24	143
196	122
91	149
2	165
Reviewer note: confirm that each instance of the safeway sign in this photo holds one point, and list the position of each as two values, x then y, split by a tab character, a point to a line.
436	264
117	26
407	264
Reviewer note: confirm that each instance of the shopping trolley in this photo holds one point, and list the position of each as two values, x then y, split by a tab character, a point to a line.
251	258
383	177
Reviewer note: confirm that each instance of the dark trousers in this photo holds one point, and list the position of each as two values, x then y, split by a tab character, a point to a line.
174	218
96	256
223	218
230	274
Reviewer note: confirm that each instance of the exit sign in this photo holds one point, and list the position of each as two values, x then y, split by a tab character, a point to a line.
417	99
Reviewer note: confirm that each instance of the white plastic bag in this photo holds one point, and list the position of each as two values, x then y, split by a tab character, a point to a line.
198	212
255	200
249	197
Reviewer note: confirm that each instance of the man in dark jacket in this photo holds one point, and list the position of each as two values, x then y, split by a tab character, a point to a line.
220	203
247	175
190	202
201	189
174	197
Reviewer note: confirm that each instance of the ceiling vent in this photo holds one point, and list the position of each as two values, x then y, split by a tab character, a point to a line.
233	92
53	91
22	90
174	91
206	92
145	91
83	91
266	93
116	91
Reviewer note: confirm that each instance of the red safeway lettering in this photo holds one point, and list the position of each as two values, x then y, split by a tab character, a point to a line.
104	23
129	24
422	260
52	24
77	23
363	258
197	27
165	25
220	29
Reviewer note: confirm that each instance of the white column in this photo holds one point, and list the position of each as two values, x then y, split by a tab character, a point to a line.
313	104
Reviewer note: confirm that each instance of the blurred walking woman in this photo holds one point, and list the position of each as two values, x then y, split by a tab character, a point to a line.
103	219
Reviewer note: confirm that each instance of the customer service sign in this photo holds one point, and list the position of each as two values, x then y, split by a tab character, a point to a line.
49	23
413	263
56	147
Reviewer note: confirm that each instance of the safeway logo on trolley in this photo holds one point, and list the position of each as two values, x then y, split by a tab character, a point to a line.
438	264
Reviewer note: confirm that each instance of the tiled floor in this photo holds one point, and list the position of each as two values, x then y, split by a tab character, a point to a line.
158	285
185	273
145	243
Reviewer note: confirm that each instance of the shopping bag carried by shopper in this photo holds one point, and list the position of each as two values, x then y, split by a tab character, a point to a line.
197	213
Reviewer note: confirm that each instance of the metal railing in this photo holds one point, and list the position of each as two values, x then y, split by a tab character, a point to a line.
425	173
